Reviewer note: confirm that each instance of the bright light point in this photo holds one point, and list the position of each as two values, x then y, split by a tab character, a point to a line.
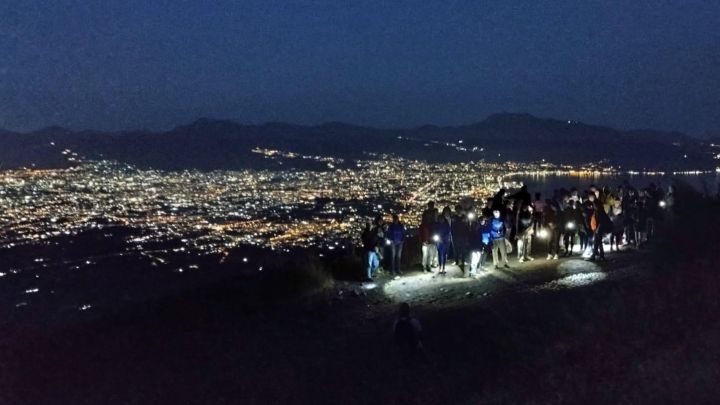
436	238
662	204
543	233
387	242
245	259
369	286
471	216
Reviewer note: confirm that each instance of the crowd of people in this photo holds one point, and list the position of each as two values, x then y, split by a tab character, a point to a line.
470	235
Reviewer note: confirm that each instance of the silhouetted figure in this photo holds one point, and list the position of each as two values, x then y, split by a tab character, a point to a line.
525	230
427	225
407	332
460	236
443	238
498	232
369	241
522	196
601	226
480	245
553	231
396	238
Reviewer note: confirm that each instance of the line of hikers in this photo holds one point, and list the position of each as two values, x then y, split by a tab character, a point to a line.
624	216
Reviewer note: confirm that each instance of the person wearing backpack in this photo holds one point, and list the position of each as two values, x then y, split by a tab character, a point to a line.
407	332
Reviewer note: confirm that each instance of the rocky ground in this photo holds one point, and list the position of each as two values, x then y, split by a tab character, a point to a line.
335	347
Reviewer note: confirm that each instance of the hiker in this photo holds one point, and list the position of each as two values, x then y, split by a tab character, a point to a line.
617	217
551	223
601	225
479	246
407	332
460	234
429	249
443	234
497	235
524	226
369	241
396	237
570	220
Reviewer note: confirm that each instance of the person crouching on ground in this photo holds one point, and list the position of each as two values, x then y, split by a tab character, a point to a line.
497	235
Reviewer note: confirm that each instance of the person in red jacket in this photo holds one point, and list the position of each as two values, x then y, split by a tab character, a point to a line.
429	249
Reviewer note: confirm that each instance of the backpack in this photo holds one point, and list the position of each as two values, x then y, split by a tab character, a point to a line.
405	333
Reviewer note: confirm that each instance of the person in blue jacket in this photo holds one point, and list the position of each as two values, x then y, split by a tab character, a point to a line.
395	237
497	236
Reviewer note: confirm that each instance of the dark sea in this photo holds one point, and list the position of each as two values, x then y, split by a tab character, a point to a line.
708	184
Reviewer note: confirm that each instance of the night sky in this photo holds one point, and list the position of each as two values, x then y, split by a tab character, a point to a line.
154	64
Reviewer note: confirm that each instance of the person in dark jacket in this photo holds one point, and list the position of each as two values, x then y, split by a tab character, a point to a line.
498	200
369	241
443	234
525	230
498	234
460	236
552	226
396	238
617	217
570	222
538	209
601	226
521	197
480	245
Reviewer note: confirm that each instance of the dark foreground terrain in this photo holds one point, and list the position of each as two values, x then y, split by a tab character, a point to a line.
641	328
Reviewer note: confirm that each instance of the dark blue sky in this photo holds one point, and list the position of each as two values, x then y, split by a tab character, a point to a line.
154	64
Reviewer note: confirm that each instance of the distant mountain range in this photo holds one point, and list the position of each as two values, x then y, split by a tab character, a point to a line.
217	144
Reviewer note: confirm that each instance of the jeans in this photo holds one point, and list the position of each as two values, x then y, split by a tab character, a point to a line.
373	262
442	249
583	240
429	251
460	250
395	255
569	242
598	248
499	249
554	242
523	247
477	260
